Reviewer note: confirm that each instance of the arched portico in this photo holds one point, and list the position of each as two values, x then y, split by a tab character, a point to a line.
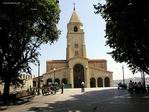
107	82
57	81
100	82
64	80
78	75
49	81
92	82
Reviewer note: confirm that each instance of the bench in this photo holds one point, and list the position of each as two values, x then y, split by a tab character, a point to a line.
24	96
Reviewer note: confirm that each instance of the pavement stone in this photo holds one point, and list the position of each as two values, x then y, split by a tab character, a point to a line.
92	100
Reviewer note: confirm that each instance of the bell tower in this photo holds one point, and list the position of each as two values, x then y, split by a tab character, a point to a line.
75	38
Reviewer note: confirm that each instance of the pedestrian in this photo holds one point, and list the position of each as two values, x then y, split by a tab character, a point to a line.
82	86
62	88
131	87
147	88
55	88
119	85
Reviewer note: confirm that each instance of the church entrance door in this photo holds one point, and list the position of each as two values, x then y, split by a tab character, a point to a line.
78	75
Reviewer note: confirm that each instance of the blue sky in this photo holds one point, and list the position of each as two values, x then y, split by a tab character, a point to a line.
94	27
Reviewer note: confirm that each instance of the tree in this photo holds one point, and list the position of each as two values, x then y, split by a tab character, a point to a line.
24	26
127	25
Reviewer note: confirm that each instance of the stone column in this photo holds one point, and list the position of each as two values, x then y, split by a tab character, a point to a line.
96	82
111	81
87	77
103	81
71	77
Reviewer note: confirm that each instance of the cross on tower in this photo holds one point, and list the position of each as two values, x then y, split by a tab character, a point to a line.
74	5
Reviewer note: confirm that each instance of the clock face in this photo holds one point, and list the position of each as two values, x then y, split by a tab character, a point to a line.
81	27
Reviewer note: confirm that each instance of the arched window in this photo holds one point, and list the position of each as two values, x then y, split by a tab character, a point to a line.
75	29
49	81
100	82
76	45
107	82
92	82
34	83
76	53
57	81
64	81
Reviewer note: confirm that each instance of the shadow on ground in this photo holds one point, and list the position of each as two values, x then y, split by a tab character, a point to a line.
112	100
86	102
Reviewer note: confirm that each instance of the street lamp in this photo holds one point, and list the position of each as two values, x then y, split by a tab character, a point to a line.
38	78
143	78
54	75
123	74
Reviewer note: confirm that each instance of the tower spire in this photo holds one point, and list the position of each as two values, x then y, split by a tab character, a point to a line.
74	6
74	17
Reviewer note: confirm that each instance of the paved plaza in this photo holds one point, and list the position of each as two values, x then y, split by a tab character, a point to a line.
92	100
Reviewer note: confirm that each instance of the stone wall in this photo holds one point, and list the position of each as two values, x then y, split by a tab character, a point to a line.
55	64
100	64
28	83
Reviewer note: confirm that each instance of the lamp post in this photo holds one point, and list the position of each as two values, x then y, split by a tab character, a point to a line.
38	78
143	78
123	74
54	75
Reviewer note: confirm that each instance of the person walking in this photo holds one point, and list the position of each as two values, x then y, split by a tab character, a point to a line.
82	86
131	87
62	88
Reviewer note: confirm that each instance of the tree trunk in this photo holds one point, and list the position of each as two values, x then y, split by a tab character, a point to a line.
6	91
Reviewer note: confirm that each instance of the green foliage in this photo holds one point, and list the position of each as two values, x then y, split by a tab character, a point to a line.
24	26
127	25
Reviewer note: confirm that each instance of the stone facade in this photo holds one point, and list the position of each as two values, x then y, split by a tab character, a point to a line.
77	67
28	84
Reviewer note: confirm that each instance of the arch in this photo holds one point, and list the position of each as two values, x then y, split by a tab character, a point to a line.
107	82
64	80
49	81
57	81
92	82
75	29
100	82
78	75
34	83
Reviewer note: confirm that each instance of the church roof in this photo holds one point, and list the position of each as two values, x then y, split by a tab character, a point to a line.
74	17
96	60
56	61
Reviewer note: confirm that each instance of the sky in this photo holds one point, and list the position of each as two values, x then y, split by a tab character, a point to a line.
94	28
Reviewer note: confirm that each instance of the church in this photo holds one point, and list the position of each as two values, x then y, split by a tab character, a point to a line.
77	67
